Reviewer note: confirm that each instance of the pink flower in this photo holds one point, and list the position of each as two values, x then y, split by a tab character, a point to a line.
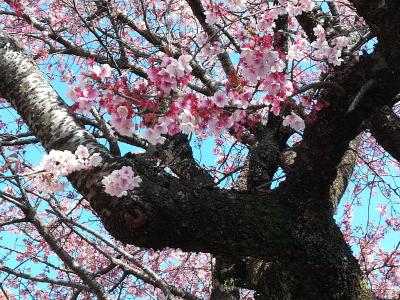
220	99
103	71
153	136
122	111
122	125
71	93
184	61
236	4
341	42
211	17
162	79
90	92
82	152
186	120
120	181
258	63
95	159
381	209
319	32
84	104
294	121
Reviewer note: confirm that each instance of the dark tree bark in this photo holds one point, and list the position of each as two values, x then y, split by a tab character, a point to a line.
385	126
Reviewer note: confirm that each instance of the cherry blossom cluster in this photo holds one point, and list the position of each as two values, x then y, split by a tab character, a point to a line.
214	12
192	114
120	181
380	265
257	63
171	73
57	164
208	115
85	94
325	51
207	45
189	112
294	121
370	240
297	7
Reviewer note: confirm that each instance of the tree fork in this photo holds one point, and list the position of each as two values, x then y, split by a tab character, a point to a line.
166	212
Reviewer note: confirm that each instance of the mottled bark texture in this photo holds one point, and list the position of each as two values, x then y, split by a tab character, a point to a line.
385	126
293	247
177	154
344	171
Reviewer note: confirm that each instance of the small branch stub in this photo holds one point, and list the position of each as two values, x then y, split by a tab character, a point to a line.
135	219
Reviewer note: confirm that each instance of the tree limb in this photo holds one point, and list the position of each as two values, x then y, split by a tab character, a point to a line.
385	127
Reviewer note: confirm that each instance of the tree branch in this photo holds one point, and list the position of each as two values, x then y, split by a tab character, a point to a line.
177	154
44	280
385	127
198	12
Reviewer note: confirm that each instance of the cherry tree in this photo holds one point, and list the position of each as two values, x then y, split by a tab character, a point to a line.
298	100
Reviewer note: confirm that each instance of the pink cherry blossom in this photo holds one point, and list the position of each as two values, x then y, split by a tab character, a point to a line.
82	152
120	181
153	136
103	71
211	16
55	165
220	99
294	121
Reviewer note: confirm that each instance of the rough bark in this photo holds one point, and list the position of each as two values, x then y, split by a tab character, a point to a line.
177	154
264	159
385	126
344	171
223	287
